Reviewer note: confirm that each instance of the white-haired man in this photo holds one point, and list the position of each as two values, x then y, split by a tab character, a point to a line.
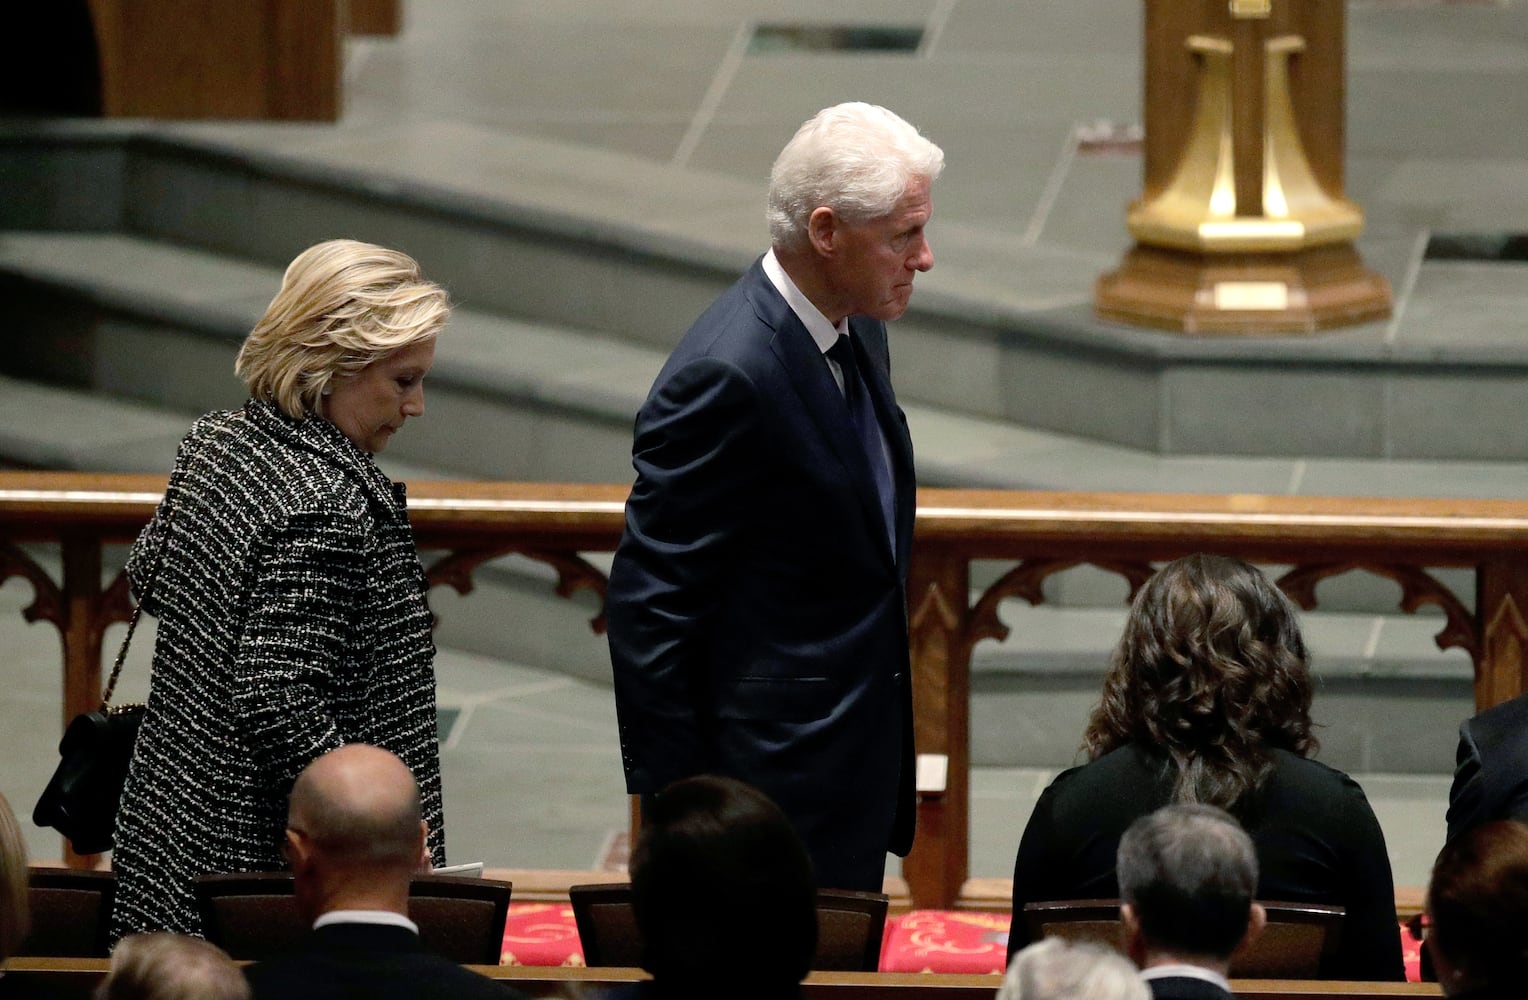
1054	968
757	604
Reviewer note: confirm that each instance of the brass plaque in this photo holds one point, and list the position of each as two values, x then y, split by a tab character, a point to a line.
1250	295
1251	8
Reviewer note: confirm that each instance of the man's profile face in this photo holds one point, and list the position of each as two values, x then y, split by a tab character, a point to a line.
880	257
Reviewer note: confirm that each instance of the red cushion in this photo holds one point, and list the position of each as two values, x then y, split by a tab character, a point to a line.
945	941
541	934
920	941
1411	955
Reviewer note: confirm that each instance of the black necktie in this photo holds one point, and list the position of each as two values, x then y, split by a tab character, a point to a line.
867	430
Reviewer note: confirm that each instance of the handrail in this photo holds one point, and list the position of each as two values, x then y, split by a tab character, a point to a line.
460	525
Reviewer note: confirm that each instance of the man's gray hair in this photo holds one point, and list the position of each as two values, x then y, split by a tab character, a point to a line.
164	966
1190	873
854	158
1057	969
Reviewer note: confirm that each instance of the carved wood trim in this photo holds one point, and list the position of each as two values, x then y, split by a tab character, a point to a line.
47	599
574	572
1027	581
1506	638
1417	588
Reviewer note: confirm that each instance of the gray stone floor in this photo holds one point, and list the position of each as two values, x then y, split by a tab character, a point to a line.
463	97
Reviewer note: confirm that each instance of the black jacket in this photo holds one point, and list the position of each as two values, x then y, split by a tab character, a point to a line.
292	620
1316	838
1186	988
343	961
1491	770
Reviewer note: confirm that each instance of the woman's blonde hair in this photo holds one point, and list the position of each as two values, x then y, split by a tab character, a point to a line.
14	916
342	305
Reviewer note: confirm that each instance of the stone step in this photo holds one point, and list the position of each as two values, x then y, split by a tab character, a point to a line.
515	399
509	399
54	427
631	249
159	324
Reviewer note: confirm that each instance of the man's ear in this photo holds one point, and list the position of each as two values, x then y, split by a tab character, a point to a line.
821	229
1135	944
1257	919
426	864
298	849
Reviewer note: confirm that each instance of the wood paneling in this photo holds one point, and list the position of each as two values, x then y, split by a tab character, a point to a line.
261	59
375	17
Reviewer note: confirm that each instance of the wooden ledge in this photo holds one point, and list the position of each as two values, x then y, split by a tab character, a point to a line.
79	975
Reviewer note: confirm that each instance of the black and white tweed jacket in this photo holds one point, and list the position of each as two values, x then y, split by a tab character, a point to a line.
292	620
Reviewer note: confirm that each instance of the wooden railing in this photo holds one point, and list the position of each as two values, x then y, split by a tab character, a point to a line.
79	977
459	526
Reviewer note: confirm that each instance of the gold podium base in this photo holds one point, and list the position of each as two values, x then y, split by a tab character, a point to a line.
1300	291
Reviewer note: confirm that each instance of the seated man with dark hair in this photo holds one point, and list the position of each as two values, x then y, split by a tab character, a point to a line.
1187	875
723	894
355	838
1478	901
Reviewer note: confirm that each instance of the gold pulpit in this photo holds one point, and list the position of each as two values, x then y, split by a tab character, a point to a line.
1242	225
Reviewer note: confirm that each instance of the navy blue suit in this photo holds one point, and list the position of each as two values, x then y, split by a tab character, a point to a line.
1491	771
1186	988
757	612
341	961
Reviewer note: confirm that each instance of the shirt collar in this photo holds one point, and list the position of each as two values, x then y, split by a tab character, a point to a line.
365	917
824	334
1185	972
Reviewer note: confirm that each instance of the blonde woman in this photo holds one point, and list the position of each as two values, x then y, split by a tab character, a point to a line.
15	917
282	570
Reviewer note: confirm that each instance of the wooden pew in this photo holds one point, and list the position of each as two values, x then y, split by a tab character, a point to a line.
1301	989
77	977
375	17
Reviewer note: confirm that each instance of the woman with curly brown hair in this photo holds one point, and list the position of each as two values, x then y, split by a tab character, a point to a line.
1208	700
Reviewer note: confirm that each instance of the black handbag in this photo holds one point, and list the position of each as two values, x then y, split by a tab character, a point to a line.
82	797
